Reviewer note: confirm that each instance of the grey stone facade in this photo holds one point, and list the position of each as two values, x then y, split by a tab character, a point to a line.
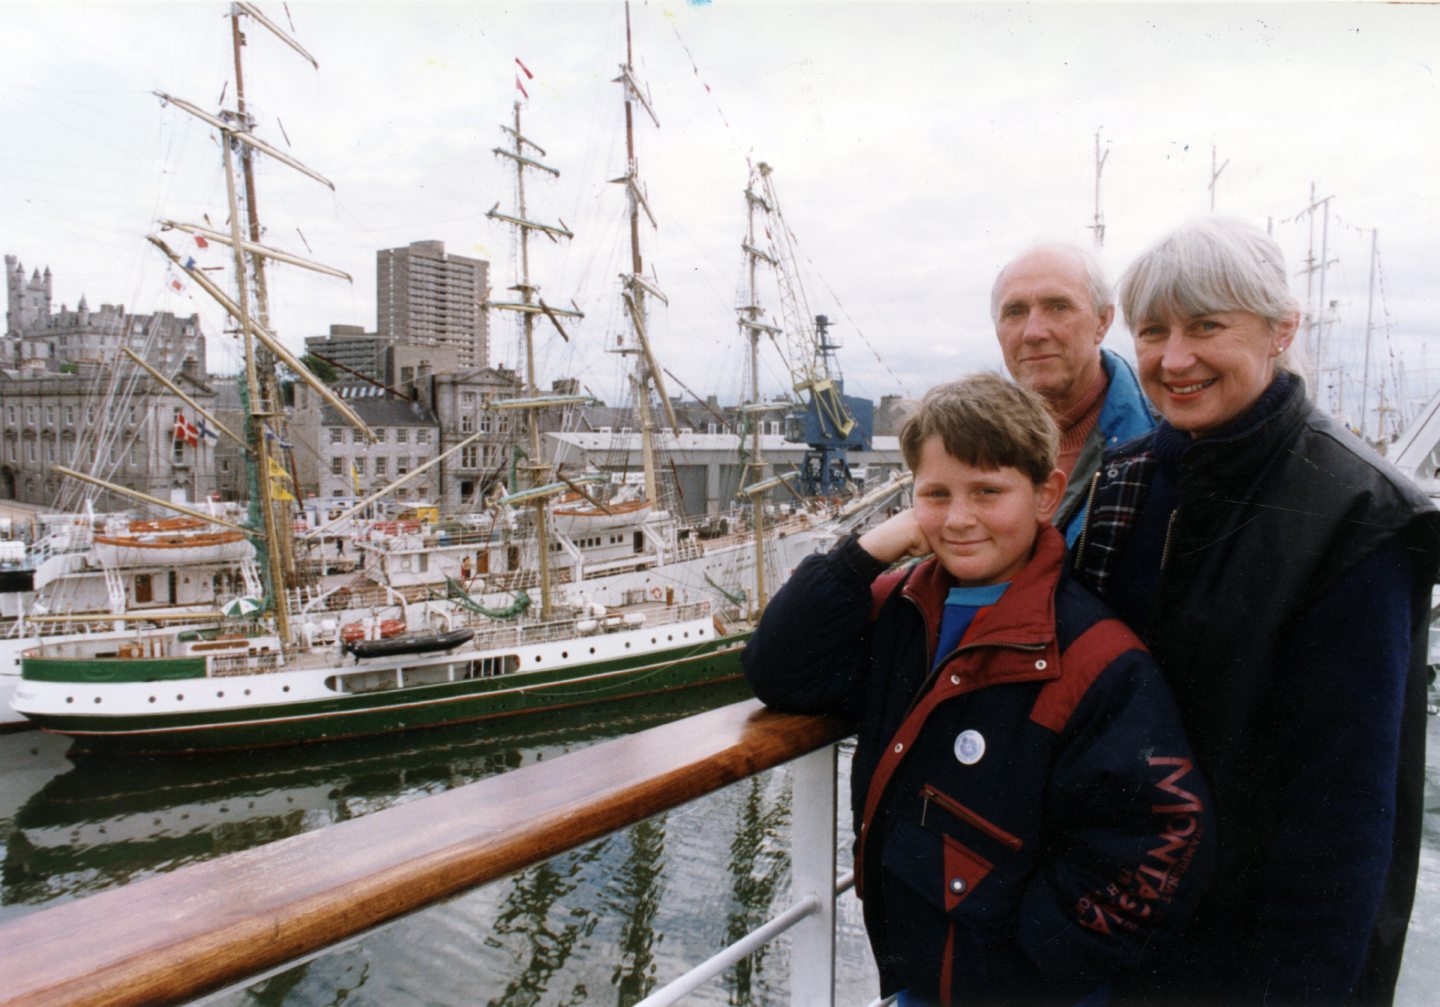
129	439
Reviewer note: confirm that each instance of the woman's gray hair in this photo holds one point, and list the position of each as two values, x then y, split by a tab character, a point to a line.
1210	265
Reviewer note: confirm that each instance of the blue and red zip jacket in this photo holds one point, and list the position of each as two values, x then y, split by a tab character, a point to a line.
1029	819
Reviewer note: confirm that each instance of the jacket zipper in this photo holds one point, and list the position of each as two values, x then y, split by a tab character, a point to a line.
1169	532
967	816
1085	525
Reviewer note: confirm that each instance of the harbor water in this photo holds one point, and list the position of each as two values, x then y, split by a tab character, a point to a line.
605	924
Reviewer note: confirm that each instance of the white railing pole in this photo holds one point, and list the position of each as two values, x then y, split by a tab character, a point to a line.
812	875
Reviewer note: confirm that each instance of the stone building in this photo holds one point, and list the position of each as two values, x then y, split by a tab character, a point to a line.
462	402
39	337
332	459
125	435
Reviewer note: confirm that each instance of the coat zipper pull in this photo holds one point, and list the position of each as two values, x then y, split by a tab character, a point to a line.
1169	531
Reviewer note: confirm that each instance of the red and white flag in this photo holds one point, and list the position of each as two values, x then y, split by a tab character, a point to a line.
186	431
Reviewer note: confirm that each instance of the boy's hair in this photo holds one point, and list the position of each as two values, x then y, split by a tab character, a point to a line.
985	421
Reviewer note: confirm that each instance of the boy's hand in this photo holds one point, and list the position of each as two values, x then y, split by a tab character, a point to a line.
897	537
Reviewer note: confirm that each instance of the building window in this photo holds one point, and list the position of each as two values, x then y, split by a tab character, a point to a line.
380	466
90	416
30	451
134	454
422	436
357	437
402	466
379	435
487	423
29	415
337	466
9	416
359	464
401	435
177	453
337	435
467	423
469	457
49	416
69	416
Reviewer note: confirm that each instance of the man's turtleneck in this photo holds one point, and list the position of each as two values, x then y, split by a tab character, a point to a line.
1077	421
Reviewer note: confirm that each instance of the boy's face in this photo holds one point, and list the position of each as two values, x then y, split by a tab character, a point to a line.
980	523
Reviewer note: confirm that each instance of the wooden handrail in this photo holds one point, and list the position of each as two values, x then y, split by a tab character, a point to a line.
176	936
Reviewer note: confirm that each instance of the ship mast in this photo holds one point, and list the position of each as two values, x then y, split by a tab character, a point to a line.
753	328
271	411
647	374
260	345
529	305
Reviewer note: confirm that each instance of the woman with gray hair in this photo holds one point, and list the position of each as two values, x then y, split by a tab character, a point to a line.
1280	573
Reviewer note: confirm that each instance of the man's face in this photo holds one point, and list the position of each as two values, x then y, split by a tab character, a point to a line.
1048	328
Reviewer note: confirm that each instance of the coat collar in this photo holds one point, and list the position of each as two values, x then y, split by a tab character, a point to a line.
1023	620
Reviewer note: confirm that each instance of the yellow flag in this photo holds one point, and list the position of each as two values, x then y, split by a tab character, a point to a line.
277	471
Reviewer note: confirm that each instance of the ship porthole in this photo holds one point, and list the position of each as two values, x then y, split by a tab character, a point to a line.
97	699
564	654
592	650
220	694
69	699
537	658
179	696
152	699
247	692
285	688
627	644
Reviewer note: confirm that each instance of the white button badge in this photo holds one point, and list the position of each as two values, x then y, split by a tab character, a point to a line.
970	747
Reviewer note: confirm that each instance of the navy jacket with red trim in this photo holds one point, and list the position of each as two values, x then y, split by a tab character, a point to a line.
1029	819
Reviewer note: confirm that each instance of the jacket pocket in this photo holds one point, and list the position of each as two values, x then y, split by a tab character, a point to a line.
964	869
934	798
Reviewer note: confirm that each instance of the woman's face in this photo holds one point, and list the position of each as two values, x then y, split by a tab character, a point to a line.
1203	372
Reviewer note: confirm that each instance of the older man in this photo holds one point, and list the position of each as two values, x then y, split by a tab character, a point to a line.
1052	307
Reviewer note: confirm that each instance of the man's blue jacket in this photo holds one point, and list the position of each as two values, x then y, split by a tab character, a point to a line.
1125	415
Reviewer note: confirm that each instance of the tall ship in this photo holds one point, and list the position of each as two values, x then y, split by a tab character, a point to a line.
594	589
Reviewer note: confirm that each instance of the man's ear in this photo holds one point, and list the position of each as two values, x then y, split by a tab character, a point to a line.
1107	316
1048	494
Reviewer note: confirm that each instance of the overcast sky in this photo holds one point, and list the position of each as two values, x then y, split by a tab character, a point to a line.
916	147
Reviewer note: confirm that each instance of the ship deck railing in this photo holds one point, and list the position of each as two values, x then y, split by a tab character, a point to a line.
229	922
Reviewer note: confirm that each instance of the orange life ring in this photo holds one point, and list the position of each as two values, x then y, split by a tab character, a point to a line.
656	593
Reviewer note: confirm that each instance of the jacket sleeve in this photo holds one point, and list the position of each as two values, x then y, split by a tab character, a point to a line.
808	654
1128	845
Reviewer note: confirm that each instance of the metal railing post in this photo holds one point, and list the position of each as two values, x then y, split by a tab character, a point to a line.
812	875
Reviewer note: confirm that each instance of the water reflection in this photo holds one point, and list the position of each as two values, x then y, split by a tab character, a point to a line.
604	924
101	822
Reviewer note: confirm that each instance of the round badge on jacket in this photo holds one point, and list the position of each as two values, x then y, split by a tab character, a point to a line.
969	747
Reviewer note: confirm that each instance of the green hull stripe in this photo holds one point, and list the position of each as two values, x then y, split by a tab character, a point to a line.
405	709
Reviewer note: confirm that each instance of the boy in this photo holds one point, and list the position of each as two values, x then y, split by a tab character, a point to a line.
1027	815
